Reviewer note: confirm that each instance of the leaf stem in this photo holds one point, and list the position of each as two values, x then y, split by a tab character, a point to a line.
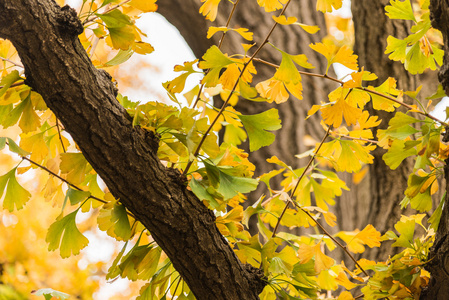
92	18
225	104
14	84
220	43
292	194
11	62
59	134
409	107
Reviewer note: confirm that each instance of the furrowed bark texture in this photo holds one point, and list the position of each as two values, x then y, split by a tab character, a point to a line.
438	265
383	189
83	98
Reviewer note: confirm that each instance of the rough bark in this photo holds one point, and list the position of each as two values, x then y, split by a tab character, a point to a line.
438	265
83	98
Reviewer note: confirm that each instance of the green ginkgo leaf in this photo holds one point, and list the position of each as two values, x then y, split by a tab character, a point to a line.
64	234
257	127
114	220
215	61
15	196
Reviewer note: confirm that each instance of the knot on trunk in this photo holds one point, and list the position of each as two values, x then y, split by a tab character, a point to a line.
257	278
69	24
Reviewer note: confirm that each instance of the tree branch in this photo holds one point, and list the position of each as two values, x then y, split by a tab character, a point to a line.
84	100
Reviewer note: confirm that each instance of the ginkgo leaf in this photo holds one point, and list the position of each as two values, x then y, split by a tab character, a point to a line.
15	196
115	19
257	127
51	293
287	71
343	55
422	202
343	280
140	262
328	5
397	49
388	88
215	61
209	9
121	57
406	229
36	145
64	234
309	28
77	196
322	262
8	80
113	219
142	47
346	155
74	165
201	192
13	116
231	185
177	85
396	154
242	31
283	20
416	62
271	5
401	10
12	146
29	121
122	37
273	90
333	115
369	236
345	295
144	5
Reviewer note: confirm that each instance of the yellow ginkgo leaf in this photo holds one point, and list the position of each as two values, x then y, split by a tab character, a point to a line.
327	5
343	280
342	55
273	90
309	28
247	35
144	5
345	296
209	9
369	236
271	5
322	261
333	115
283	20
346	57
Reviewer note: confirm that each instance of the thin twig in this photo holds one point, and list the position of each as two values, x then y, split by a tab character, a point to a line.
228	22
356	138
59	133
332	238
105	12
225	104
12	62
292	194
14	84
64	180
219	47
409	107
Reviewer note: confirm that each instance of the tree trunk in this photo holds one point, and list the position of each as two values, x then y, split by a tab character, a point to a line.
438	265
84	99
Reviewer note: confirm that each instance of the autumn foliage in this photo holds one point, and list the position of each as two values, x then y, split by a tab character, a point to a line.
46	182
